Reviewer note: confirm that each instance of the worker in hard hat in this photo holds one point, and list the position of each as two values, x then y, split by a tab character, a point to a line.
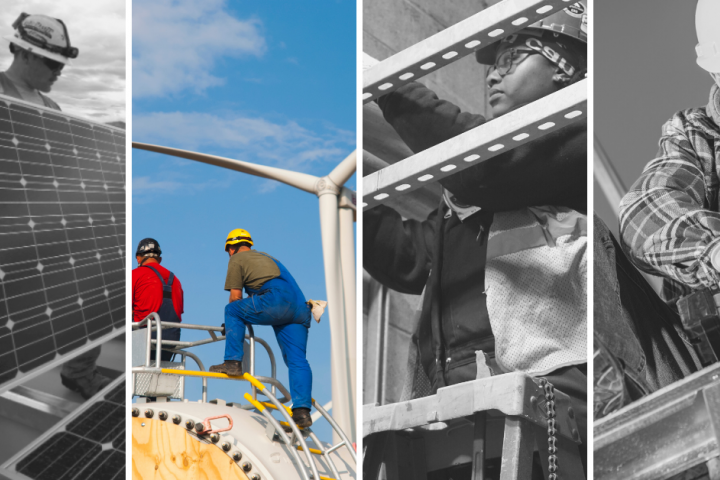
670	227
670	218
41	48
539	60
501	263
275	299
156	289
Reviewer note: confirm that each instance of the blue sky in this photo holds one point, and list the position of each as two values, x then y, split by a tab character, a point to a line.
265	82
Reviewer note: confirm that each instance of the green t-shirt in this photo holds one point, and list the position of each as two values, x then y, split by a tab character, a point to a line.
250	269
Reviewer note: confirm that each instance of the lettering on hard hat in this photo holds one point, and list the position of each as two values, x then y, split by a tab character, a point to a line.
576	10
551	55
37	27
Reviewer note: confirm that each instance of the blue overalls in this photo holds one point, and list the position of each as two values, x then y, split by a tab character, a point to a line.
278	302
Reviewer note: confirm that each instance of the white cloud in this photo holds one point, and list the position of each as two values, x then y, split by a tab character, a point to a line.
285	145
176	181
176	44
146	184
94	86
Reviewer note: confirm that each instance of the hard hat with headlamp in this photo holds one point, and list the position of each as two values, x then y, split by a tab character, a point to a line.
707	13
44	36
557	37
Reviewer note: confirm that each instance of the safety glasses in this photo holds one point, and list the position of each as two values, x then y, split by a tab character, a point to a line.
53	65
509	58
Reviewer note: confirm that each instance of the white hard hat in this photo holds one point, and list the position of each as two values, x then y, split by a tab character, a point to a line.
44	36
708	34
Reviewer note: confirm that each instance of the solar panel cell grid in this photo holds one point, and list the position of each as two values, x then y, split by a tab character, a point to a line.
62	234
92	446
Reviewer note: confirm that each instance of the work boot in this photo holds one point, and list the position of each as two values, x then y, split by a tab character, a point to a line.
301	417
86	386
229	367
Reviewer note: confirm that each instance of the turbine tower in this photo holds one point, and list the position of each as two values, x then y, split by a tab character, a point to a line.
337	214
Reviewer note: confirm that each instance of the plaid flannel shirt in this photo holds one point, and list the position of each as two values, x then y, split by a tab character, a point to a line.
670	218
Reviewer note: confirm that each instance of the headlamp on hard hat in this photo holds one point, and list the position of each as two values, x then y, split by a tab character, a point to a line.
37	40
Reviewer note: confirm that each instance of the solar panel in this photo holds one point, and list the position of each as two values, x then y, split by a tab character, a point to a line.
89	444
62	236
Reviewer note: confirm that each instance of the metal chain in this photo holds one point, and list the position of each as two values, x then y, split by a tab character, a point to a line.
552	448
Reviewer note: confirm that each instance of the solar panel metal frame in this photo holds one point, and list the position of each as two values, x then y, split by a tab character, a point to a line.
102	192
9	468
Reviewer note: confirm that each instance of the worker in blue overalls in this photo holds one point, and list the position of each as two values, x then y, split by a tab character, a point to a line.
273	298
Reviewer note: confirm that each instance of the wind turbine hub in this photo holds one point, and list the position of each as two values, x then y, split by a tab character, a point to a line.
326	186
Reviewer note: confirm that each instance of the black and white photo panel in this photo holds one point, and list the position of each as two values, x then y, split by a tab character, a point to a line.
62	239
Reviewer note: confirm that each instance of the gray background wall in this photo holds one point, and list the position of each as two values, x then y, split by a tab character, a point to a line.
644	71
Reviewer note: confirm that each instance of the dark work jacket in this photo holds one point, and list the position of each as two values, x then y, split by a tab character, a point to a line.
446	257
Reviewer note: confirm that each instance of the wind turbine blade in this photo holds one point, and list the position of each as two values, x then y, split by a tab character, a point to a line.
303	181
345	170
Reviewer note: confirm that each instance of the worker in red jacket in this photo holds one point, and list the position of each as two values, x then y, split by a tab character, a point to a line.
156	289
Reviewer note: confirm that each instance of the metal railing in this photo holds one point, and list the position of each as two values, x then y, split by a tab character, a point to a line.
153	323
297	435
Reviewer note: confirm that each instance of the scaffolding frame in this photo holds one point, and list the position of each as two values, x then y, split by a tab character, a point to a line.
455	42
400	430
510	131
663	434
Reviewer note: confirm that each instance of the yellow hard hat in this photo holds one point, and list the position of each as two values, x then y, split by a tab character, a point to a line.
236	236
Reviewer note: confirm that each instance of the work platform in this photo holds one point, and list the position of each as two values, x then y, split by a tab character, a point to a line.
664	434
465	426
222	439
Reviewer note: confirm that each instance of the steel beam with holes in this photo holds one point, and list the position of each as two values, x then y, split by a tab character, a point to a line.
512	394
520	126
453	43
663	434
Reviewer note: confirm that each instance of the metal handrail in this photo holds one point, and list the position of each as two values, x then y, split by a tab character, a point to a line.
337	429
153	322
202	369
325	453
261	408
293	426
156	324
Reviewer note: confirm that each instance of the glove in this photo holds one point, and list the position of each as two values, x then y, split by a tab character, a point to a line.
223	329
317	307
